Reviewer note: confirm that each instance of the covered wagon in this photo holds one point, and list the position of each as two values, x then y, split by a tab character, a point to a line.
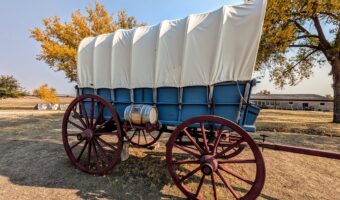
190	77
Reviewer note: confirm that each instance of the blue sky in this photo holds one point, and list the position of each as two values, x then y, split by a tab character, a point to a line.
18	51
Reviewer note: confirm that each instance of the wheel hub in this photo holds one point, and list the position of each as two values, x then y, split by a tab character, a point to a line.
88	134
209	164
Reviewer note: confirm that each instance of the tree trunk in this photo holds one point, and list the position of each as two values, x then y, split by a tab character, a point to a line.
336	87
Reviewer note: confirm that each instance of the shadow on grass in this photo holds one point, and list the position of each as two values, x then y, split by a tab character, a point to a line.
44	164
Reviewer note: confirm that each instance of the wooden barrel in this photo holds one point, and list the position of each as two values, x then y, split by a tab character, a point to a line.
141	114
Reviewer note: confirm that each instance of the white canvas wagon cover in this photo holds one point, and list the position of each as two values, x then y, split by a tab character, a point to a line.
201	49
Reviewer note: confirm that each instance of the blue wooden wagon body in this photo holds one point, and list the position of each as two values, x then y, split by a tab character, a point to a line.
230	100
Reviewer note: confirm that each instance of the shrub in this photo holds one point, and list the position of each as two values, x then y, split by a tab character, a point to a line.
47	94
10	87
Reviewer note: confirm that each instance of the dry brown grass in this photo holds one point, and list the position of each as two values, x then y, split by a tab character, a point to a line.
27	102
310	122
33	165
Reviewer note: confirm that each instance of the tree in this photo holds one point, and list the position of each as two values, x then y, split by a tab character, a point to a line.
296	37
264	92
59	41
329	96
10	87
47	94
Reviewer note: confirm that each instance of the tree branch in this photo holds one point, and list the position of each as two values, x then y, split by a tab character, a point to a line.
301	28
303	59
305	45
323	41
307	36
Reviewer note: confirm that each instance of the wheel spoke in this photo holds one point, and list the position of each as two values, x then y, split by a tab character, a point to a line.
138	136
77	115
133	135
73	134
152	135
218	138
146	141
188	145
95	154
231	172
190	174
101	109
183	162
204	138
76	144
231	189
200	185
92	113
187	150
106	143
82	151
193	141
89	155
82	106
101	151
229	148
237	161
76	125
214	186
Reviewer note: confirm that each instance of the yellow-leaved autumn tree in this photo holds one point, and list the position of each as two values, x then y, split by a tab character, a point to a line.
47	94
298	35
59	41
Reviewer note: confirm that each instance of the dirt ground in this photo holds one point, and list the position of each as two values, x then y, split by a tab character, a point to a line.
33	165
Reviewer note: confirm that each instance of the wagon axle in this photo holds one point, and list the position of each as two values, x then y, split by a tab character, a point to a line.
208	164
88	134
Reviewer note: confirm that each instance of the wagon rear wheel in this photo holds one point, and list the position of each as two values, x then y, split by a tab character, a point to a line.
202	169
142	138
92	135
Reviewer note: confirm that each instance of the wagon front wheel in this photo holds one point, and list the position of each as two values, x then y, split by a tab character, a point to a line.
200	167
92	135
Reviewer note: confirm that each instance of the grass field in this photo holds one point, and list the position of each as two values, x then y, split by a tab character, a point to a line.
26	103
293	121
33	165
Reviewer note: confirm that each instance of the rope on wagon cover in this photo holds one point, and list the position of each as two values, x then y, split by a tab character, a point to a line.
242	100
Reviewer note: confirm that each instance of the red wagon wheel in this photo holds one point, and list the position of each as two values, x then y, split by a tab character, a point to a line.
201	169
92	135
142	138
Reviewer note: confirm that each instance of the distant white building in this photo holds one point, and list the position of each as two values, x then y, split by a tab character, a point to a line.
293	102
